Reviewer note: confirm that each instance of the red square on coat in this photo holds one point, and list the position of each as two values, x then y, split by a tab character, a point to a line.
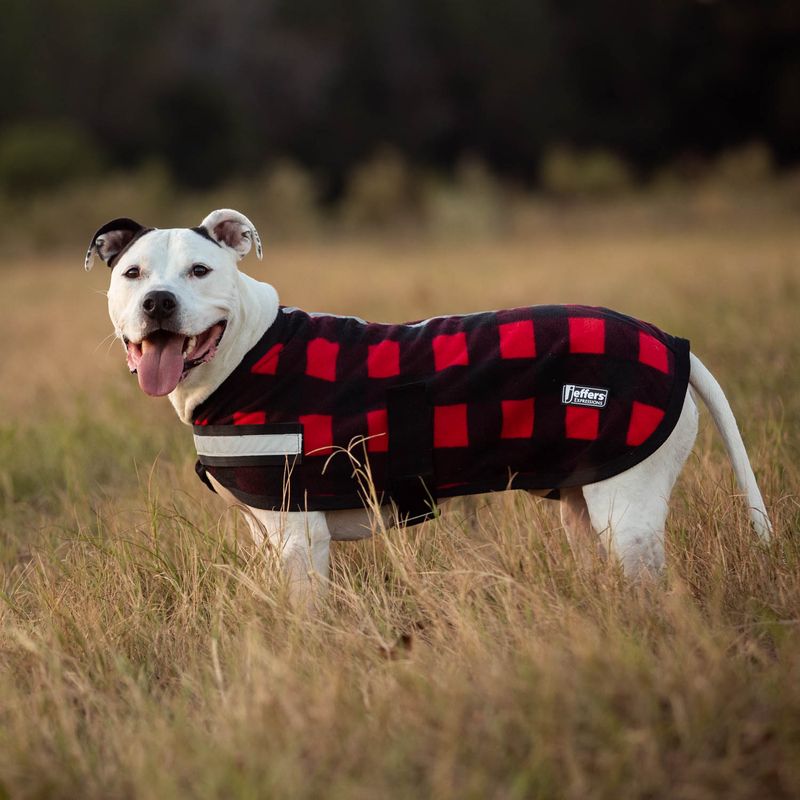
450	349
268	363
582	423
517	419
587	335
653	352
644	420
378	431
317	434
249	417
516	339
383	359
321	358
450	426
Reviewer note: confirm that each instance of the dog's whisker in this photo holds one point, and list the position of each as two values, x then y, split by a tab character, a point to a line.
110	339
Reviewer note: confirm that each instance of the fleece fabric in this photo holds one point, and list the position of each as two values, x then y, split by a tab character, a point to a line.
543	397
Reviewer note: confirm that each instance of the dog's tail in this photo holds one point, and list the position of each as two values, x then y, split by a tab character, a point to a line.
704	383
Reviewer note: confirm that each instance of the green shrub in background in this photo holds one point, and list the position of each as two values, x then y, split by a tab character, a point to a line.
749	167
387	193
285	197
38	156
290	197
473	203
41	188
63	216
596	173
381	193
745	166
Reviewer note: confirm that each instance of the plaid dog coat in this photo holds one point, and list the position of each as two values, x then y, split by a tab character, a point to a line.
530	398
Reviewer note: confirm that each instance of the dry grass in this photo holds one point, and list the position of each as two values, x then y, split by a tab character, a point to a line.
147	651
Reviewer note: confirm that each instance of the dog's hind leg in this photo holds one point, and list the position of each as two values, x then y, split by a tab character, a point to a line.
583	540
629	511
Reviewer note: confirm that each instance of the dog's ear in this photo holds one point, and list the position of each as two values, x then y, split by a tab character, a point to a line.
231	229
111	239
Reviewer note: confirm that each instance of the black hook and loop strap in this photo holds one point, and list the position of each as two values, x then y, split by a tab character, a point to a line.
410	468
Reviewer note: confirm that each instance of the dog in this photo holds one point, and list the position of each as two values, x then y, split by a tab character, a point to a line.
230	357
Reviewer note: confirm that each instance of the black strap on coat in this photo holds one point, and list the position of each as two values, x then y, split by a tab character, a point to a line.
410	467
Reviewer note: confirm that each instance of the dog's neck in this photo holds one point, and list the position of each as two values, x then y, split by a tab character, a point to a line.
258	308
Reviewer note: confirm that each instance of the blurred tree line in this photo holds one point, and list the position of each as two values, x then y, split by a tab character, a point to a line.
218	90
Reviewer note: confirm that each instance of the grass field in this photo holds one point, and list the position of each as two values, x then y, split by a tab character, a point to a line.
147	650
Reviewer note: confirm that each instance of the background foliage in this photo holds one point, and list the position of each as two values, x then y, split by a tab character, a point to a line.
216	92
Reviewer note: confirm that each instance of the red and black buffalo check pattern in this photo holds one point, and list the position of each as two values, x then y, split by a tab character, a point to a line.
493	382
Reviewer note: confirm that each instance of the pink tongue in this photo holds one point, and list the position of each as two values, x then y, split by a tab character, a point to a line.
161	365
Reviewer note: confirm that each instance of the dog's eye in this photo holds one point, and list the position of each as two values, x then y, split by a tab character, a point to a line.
132	273
199	270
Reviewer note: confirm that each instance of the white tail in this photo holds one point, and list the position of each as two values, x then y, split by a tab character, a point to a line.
704	383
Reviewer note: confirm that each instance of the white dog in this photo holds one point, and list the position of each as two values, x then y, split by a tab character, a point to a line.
188	319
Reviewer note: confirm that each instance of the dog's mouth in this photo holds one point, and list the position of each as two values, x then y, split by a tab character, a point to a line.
163	358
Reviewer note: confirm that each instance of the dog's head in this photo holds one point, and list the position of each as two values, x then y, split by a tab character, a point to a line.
173	292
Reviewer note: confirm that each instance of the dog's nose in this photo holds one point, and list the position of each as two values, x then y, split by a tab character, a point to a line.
159	304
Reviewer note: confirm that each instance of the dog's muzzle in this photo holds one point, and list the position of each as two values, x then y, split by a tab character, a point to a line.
163	357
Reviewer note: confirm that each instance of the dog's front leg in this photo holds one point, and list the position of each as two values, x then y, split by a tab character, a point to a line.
302	541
